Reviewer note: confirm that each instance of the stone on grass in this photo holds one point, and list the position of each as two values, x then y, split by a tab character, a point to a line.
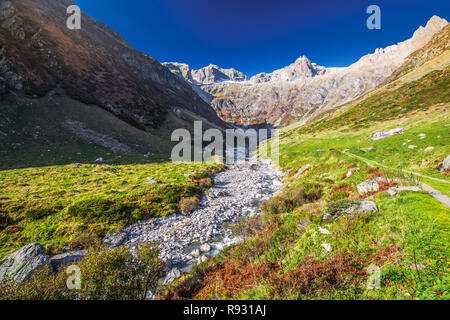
19	265
368	186
302	170
366	207
371	185
428	149
445	165
394	190
324	231
195	253
171	276
384	134
151	180
65	259
115	239
351	172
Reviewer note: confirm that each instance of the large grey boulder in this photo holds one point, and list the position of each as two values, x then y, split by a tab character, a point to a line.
151	180
302	170
394	190
115	239
361	207
19	265
371	185
67	258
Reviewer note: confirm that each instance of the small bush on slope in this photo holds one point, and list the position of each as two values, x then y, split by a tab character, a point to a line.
290	199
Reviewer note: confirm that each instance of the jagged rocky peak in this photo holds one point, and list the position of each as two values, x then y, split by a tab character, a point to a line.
393	56
302	68
302	89
206	75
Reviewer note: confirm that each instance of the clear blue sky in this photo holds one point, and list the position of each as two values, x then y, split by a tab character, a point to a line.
260	35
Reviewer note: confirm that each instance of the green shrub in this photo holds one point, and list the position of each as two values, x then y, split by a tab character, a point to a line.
36	214
288	200
187	205
101	209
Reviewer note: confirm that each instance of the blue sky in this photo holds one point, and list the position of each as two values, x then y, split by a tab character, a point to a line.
260	35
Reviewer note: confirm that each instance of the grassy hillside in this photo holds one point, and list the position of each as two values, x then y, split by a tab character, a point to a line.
306	247
57	130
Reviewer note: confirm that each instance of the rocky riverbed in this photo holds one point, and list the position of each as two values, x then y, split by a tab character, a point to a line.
184	240
188	240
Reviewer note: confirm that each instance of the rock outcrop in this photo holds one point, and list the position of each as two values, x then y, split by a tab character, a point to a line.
65	259
19	265
445	164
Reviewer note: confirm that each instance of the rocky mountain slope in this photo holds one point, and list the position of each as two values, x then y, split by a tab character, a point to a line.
207	75
94	65
51	72
301	89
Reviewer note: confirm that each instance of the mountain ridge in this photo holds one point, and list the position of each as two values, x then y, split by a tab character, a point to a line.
94	65
299	90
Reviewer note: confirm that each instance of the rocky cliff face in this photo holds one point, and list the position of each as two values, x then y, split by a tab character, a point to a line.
303	88
94	65
207	75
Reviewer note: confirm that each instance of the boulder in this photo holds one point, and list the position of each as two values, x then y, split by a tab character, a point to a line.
351	172
171	276
324	231
320	150
384	134
205	248
428	149
394	190
412	146
19	265
115	239
151	180
368	186
302	170
67	258
445	165
195	253
366	207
